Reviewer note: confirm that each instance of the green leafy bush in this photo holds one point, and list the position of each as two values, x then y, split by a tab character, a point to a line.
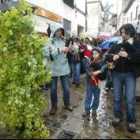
21	73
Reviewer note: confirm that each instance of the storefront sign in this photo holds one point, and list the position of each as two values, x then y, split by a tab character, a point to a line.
48	15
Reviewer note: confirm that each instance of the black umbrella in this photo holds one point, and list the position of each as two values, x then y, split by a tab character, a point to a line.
9	5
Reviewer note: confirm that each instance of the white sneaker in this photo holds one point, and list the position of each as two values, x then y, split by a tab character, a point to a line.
107	89
116	121
132	128
112	89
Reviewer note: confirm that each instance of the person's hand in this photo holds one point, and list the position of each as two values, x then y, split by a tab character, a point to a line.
96	73
116	57
123	54
65	49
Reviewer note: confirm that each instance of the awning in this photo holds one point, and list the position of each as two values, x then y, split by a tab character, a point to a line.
9	5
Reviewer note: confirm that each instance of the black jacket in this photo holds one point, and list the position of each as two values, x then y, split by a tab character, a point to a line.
102	67
125	65
135	57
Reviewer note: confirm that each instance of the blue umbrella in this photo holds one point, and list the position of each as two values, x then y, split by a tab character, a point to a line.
105	45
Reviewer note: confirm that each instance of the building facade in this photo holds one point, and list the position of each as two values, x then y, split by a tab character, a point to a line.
3	1
95	16
69	14
111	25
121	5
130	13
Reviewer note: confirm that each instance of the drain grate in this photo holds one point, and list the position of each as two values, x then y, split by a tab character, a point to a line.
66	135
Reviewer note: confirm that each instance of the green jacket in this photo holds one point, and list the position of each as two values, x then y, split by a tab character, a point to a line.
60	65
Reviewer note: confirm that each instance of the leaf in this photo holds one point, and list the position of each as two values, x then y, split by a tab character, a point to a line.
11	32
21	73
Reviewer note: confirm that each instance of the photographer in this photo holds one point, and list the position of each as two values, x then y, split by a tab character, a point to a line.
124	76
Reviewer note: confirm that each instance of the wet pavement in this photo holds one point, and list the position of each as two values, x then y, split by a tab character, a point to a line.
96	127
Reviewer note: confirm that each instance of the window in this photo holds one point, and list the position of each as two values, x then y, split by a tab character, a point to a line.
131	16
67	27
3	1
70	3
137	10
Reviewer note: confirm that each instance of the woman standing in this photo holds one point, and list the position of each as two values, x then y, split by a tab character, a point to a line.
124	76
56	51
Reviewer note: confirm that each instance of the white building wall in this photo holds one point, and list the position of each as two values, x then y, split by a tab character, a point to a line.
132	10
121	5
94	17
81	4
60	8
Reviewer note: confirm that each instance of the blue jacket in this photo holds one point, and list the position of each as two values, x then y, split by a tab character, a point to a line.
60	65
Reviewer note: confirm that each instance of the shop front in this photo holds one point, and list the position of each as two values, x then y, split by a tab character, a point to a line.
43	18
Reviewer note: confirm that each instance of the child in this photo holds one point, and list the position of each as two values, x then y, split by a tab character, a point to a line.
93	90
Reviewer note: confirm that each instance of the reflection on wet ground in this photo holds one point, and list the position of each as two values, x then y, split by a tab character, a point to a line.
100	126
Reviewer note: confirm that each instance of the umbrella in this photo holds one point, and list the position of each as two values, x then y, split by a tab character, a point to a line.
86	34
104	36
105	45
9	5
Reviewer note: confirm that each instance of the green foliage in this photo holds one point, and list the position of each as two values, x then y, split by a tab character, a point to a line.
21	73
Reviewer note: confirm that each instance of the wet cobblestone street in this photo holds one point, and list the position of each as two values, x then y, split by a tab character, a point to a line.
96	127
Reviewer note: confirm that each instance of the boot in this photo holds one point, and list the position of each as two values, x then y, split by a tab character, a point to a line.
86	114
69	108
116	121
53	110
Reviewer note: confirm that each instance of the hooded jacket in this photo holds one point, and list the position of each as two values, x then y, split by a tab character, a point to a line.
60	65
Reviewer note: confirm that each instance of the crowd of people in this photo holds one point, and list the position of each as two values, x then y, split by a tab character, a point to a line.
119	66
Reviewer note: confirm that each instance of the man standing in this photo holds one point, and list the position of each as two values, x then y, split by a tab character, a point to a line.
56	51
76	62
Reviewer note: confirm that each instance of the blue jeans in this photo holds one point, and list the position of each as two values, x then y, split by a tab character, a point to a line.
125	81
109	79
66	90
76	68
90	103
